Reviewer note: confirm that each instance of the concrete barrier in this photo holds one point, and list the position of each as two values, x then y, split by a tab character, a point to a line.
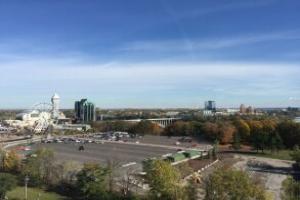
19	142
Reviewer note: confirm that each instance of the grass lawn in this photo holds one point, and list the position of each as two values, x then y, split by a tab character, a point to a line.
33	194
282	155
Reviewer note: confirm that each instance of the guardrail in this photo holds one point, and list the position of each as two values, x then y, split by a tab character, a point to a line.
25	141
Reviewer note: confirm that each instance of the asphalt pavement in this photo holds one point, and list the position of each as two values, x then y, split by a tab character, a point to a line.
122	153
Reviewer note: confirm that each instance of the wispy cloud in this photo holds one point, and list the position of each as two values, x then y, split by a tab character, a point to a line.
209	43
200	11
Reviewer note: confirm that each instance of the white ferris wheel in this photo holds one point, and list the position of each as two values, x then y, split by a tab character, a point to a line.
44	112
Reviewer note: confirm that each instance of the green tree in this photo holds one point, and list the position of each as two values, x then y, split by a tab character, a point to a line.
164	181
92	181
7	183
291	189
41	167
215	149
275	141
296	156
231	184
289	131
236	141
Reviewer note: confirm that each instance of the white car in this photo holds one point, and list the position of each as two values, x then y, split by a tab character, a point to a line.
27	149
58	141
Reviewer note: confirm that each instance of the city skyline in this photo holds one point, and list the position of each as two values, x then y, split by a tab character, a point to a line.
158	54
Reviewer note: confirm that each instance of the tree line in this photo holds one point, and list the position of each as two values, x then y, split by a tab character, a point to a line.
266	133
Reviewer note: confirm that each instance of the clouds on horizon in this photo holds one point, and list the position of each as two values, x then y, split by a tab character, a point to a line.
156	84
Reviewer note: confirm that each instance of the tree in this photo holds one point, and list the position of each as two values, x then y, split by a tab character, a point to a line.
179	128
12	162
275	141
226	132
92	182
296	156
289	131
111	126
236	141
147	128
243	129
7	183
211	130
164	181
291	189
222	131
260	140
2	158
215	150
41	167
231	184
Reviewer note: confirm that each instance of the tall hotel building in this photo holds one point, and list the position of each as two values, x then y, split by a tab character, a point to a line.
85	111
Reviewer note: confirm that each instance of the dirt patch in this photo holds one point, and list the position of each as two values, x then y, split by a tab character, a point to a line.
271	171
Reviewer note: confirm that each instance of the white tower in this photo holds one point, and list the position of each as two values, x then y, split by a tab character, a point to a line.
55	105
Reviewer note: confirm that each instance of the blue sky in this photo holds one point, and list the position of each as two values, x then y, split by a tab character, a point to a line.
158	53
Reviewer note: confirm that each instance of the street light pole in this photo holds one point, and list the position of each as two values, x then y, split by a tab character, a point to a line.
26	183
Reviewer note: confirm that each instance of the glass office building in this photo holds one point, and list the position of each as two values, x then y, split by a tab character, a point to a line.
210	105
85	111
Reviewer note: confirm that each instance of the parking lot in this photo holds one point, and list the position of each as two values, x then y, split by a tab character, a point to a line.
122	153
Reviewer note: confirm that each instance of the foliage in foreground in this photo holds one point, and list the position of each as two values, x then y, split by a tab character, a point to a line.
34	193
232	184
7	183
291	189
164	181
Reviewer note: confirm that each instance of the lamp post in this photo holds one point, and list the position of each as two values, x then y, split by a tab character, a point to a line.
26	183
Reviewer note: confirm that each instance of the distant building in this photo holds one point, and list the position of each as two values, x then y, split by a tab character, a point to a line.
208	113
85	111
243	109
210	105
250	110
55	100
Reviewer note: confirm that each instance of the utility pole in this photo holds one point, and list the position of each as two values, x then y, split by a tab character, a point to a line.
26	183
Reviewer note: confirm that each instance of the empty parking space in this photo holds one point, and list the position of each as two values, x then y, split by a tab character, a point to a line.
119	152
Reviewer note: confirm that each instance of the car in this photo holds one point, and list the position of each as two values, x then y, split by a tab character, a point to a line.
81	148
58	141
27	148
